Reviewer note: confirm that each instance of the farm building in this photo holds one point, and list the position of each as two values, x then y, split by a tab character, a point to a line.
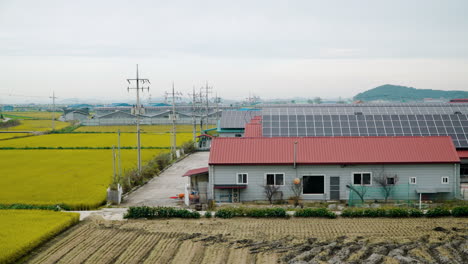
419	167
79	114
233	122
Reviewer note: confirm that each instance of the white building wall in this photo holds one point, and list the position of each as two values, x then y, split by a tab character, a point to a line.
427	175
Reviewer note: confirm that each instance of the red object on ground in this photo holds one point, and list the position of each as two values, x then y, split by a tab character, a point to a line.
333	150
196	171
174	197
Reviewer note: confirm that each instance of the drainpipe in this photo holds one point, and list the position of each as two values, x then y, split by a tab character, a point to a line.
295	153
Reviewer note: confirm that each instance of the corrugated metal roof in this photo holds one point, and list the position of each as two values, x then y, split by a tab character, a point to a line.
196	171
254	128
463	154
333	150
236	119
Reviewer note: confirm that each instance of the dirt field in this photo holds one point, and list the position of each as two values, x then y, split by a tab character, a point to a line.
260	241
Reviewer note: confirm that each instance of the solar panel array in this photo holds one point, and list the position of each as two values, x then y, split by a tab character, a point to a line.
299	124
237	118
370	109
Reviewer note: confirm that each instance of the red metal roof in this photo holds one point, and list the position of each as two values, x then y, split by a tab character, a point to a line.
253	130
463	154
196	171
333	150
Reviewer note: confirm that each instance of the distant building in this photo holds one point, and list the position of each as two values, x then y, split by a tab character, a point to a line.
8	108
460	100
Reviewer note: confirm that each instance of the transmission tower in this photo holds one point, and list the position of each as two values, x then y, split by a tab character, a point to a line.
53	109
173	117
208	90
137	109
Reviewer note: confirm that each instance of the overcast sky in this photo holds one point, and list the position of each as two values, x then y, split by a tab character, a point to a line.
274	49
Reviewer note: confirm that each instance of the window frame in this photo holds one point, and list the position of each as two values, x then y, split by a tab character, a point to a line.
246	178
386	179
362	172
324	184
274	179
415	180
442	180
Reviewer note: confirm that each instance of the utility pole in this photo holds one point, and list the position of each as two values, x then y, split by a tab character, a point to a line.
194	119
53	109
138	80
207	93
175	96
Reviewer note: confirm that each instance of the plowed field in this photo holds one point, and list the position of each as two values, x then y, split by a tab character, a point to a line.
260	241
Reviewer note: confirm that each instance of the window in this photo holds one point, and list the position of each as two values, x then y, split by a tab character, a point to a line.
313	184
445	180
274	178
238	135
362	178
390	181
412	180
241	178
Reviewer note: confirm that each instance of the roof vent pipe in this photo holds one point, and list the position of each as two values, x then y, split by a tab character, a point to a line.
295	153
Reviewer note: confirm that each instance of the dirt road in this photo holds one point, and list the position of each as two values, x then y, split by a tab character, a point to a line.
169	183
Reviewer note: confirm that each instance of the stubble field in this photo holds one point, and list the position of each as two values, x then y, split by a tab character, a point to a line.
261	241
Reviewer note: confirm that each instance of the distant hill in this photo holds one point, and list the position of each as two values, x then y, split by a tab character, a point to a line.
389	92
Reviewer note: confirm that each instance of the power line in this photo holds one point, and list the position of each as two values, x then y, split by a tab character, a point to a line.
137	110
53	109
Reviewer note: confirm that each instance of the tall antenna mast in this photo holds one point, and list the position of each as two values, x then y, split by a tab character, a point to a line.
53	109
175	96
138	111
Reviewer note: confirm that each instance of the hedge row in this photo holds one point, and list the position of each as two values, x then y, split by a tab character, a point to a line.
315	212
159	212
403	212
251	212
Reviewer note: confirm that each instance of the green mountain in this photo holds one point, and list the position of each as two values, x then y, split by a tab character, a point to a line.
389	92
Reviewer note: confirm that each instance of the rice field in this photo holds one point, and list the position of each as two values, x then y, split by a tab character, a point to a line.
78	178
144	128
34	115
23	230
36	125
94	140
13	135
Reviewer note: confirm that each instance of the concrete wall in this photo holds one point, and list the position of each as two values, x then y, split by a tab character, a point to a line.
428	176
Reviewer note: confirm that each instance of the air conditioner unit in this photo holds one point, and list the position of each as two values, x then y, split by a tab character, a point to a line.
235	195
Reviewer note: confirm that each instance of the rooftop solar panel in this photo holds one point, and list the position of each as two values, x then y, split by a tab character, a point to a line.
287	124
236	118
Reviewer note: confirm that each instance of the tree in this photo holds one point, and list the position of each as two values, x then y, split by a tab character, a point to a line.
387	181
296	189
270	191
317	100
360	190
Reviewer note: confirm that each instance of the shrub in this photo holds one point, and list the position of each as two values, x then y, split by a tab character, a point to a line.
415	213
208	214
374	212
397	212
460	211
266	212
318	212
189	147
437	212
159	212
348	212
230	212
